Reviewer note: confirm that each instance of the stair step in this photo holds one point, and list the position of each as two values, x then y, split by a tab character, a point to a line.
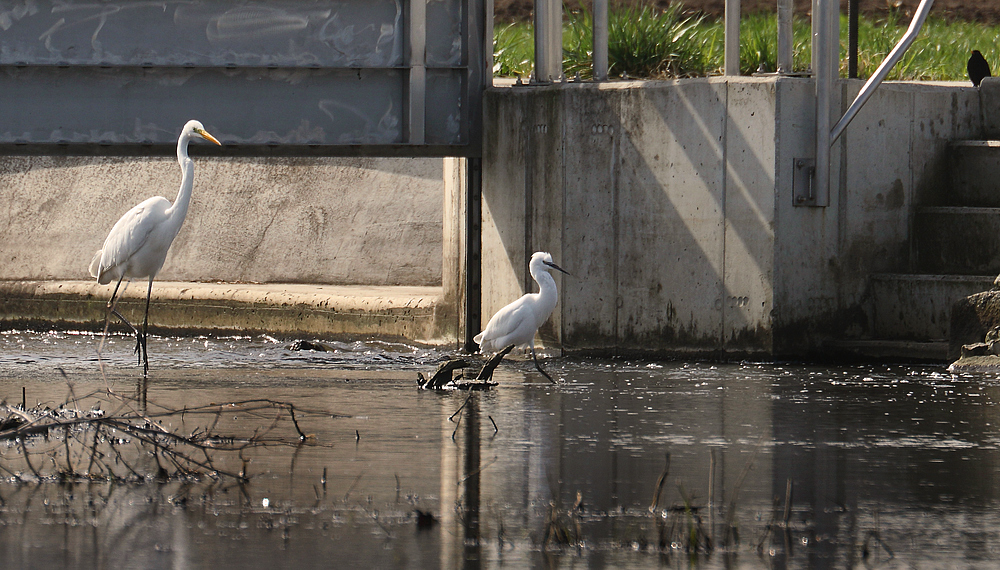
882	350
975	166
918	307
958	240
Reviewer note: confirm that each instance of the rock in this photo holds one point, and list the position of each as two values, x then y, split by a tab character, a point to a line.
976	364
972	318
307	345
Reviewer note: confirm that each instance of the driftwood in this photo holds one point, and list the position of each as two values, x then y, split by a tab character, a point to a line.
443	377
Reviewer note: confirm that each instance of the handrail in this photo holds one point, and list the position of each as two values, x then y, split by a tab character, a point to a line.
883	69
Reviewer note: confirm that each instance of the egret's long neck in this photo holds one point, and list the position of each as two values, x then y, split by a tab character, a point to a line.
547	293
180	206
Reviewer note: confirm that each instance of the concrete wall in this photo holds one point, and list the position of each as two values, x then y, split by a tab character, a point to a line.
671	203
365	221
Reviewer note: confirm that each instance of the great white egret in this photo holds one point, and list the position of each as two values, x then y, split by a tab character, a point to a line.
517	323
139	240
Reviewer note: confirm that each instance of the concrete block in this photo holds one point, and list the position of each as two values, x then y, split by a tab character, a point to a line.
291	311
672	203
974	169
749	215
989	96
955	240
344	221
671	212
918	307
591	209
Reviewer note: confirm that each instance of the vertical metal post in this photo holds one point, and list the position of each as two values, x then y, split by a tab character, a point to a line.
785	10
826	43
548	40
732	50
852	39
473	251
418	71
600	34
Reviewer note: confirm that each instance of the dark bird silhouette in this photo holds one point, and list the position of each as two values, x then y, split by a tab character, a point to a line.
978	68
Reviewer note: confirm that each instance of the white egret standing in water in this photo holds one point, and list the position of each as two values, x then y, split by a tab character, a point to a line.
138	242
517	323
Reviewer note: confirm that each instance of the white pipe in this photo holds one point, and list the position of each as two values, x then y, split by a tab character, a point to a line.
731	63
883	69
600	33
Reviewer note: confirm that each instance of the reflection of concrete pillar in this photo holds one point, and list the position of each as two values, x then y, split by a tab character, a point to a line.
471	483
448	531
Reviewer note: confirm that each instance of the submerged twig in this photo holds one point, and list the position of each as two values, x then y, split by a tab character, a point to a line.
659	486
731	509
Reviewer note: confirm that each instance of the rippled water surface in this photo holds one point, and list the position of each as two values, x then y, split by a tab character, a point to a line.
766	465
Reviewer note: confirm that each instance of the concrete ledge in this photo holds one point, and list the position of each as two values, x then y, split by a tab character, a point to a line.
416	314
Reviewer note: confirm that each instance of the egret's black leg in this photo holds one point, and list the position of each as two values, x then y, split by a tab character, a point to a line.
539	366
141	342
113	307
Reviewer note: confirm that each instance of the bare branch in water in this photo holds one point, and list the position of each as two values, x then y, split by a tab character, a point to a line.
127	444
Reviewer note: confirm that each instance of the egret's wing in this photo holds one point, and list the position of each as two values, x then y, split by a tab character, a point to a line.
130	233
510	324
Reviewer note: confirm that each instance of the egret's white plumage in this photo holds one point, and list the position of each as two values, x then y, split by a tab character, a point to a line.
138	242
516	323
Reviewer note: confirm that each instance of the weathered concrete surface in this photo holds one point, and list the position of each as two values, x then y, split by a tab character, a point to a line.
974	168
955	240
410	313
320	247
672	204
918	307
359	221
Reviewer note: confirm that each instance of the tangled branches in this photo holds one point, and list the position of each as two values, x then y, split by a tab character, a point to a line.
80	441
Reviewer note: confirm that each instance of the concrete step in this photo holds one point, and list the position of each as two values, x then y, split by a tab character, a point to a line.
958	240
411	314
918	307
889	350
974	168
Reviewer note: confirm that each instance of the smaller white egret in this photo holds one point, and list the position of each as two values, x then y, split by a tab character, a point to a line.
517	323
139	240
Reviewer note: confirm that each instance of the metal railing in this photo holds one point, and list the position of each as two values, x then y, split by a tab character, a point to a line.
826	41
825	66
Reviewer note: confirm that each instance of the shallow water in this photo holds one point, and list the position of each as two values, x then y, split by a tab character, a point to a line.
876	466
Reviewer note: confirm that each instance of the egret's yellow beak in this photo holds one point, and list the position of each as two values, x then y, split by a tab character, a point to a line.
207	136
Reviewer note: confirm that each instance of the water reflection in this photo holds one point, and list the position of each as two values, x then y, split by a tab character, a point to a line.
776	466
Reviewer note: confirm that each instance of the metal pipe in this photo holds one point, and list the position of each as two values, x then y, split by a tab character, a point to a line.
732	49
548	40
826	42
883	69
600	33
418	72
852	39
785	9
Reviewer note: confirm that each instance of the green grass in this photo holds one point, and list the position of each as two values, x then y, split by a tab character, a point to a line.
650	43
